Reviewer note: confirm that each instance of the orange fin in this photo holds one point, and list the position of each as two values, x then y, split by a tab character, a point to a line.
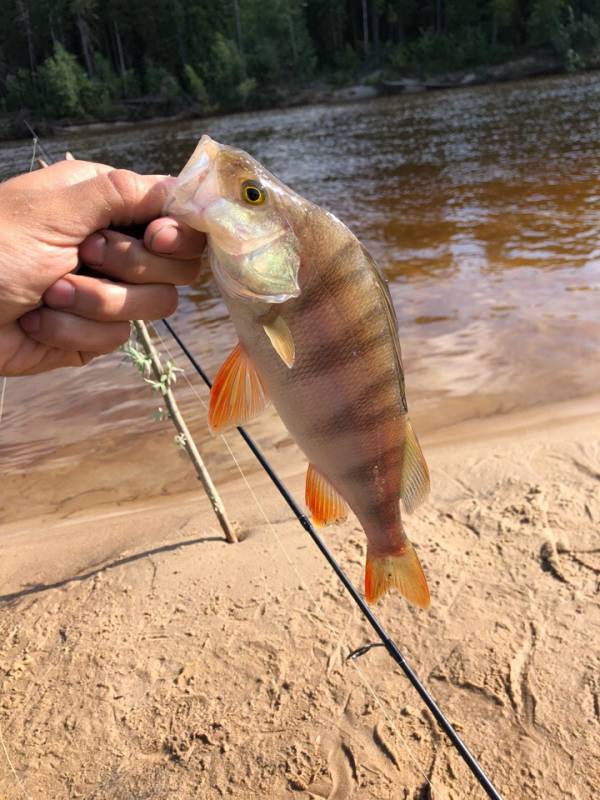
324	503
414	483
238	394
401	571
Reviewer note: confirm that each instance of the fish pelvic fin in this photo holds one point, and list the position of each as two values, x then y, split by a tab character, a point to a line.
281	338
414	482
324	503
238	393
403	571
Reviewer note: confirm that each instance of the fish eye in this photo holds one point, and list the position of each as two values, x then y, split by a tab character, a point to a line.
253	193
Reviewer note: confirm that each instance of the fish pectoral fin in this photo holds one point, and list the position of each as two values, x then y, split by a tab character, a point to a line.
324	503
402	571
281	338
238	393
414	482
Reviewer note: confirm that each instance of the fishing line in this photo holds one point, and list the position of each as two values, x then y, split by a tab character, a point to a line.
10	764
2	395
32	162
389	644
303	582
37	141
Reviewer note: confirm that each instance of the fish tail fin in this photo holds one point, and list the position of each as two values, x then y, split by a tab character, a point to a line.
403	571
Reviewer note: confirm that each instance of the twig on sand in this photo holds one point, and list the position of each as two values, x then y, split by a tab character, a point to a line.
162	383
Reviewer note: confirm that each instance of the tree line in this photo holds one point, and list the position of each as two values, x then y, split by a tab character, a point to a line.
99	58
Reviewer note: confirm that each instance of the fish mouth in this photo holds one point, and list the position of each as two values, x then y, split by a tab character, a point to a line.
199	200
196	186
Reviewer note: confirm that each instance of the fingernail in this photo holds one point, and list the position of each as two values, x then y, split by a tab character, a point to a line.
31	322
165	239
92	250
61	294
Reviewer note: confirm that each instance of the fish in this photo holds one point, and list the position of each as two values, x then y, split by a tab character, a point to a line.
317	338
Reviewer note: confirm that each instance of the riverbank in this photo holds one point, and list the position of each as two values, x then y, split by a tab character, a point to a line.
153	110
144	656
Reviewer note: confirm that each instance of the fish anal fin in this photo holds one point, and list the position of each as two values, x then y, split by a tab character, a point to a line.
414	484
325	504
238	393
281	338
402	571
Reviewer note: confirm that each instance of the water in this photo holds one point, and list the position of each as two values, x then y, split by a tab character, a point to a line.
482	206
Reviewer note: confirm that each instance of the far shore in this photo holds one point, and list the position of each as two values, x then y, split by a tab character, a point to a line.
155	111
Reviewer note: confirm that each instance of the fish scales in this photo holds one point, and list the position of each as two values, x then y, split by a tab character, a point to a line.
354	364
318	334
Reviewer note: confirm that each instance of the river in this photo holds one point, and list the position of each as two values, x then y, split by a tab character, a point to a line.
482	205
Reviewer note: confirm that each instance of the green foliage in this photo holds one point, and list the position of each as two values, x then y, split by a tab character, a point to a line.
196	85
168	377
106	76
19	91
163	85
96	99
131	83
138	357
575	39
504	13
141	360
246	89
347	61
433	52
226	70
545	21
157	79
64	85
584	33
276	40
89	58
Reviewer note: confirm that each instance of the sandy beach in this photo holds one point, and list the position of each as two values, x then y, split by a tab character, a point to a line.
144	657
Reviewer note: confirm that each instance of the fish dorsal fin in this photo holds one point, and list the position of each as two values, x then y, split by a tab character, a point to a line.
391	318
414	483
324	503
238	393
281	338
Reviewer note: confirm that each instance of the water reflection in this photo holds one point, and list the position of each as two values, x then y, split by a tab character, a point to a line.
482	206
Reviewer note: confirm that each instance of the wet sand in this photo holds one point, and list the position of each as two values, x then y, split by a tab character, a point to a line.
143	657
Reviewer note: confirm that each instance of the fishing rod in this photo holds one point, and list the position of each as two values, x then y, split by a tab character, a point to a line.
386	640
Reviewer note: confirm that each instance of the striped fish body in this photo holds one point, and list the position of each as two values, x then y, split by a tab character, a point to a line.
342	401
327	356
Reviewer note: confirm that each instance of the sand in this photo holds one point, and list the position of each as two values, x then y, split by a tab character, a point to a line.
144	658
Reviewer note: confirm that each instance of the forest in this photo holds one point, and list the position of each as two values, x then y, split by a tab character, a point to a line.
114	59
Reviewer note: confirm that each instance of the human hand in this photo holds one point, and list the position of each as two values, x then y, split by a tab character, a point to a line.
52	219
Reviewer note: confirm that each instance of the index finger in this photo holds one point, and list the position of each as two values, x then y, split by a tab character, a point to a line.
169	237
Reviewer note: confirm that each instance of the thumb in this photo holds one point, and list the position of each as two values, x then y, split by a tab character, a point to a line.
72	199
116	197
